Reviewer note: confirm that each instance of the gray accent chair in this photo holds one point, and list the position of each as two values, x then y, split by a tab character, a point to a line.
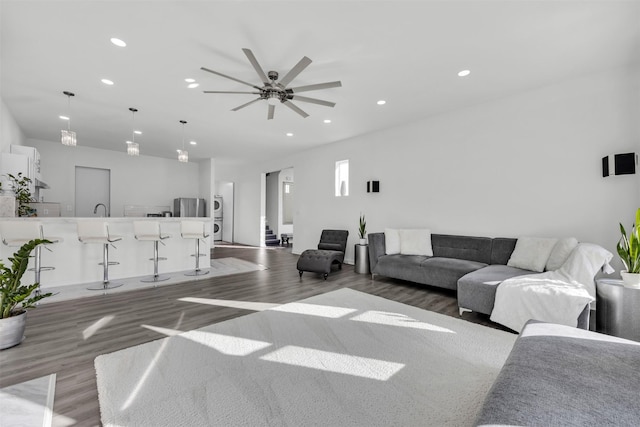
330	252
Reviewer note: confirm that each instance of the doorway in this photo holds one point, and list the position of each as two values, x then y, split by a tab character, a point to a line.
278	208
93	186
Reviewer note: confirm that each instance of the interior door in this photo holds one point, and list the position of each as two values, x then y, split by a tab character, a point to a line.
93	186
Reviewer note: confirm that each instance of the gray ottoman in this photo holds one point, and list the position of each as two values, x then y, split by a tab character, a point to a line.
319	261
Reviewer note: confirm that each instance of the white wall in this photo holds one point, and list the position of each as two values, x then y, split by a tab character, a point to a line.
10	132
529	164
140	180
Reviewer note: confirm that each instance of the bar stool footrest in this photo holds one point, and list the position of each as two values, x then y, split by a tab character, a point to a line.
197	273
153	279
105	286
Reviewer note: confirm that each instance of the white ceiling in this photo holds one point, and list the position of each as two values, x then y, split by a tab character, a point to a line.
406	52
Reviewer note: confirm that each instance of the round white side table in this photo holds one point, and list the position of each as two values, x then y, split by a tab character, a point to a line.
617	309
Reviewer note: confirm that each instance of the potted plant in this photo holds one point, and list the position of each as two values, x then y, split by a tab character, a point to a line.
16	298
629	252
22	193
362	230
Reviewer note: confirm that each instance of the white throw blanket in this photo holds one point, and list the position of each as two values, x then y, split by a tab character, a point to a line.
554	296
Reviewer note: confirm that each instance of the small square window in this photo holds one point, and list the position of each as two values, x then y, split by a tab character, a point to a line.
342	178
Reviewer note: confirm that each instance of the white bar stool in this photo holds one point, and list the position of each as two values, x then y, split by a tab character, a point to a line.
195	230
150	231
17	233
90	232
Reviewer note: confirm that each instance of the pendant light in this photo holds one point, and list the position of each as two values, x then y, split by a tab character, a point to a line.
133	149
68	137
183	156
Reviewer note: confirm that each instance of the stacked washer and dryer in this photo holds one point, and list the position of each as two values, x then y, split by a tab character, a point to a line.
217	218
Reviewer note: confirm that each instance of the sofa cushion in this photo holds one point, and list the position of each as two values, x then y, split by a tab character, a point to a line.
445	272
462	247
392	241
560	253
415	242
404	267
532	253
501	249
477	290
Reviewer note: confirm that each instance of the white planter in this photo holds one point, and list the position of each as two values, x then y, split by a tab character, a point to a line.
631	280
363	241
12	330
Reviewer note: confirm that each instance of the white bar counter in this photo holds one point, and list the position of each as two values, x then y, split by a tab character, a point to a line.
76	262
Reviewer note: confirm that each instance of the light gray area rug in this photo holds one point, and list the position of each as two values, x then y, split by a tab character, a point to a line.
344	358
28	404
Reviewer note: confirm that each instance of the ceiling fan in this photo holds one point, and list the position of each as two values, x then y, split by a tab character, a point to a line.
275	91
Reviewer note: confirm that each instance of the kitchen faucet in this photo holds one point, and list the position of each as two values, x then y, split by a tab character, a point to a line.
95	210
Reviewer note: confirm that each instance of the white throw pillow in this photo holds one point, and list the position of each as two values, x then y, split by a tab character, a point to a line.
391	241
561	252
584	262
415	242
531	253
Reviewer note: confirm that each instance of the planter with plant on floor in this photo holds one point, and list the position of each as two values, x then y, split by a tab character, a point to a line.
362	230
16	298
629	252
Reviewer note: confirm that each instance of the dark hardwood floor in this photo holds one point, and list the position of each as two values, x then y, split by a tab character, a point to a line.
59	338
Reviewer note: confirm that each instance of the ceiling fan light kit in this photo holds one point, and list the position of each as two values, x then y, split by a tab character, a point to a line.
275	91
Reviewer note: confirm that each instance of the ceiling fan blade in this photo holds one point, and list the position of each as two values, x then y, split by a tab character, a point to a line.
251	57
297	69
246	105
229	77
313	101
272	109
225	91
295	108
315	87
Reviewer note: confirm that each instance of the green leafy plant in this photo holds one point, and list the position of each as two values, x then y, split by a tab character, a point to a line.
15	297
22	192
362	228
629	247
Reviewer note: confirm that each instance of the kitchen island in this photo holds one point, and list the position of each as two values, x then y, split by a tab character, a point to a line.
76	262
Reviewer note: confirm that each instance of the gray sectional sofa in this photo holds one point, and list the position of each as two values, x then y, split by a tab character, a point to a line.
473	266
557	375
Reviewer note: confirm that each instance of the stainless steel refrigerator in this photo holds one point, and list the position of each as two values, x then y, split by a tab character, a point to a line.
189	207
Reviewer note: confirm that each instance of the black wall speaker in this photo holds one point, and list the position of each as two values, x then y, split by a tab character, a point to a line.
622	164
373	186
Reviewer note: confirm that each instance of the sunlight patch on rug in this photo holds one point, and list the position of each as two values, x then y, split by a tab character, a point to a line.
334	362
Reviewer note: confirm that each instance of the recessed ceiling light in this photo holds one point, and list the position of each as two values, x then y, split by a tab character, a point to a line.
118	42
64	117
189	80
137	132
193	85
179	150
107	82
327	121
289	134
464	73
193	143
381	102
